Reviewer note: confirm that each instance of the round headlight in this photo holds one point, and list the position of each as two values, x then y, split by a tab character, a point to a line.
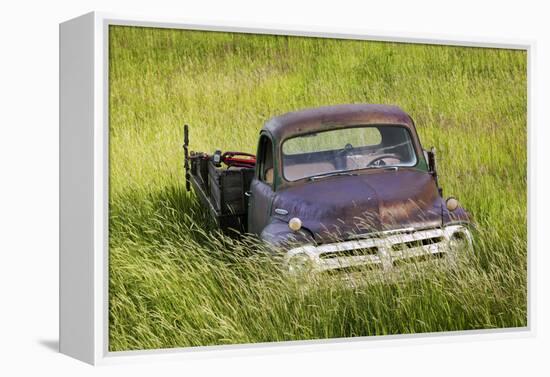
295	224
452	203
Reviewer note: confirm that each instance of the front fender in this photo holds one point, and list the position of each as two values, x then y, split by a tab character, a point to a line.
278	235
458	216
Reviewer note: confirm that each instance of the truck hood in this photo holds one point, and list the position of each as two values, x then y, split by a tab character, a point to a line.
341	207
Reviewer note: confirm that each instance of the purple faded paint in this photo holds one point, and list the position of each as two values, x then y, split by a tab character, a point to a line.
343	207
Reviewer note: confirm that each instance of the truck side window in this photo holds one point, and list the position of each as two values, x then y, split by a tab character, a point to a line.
266	160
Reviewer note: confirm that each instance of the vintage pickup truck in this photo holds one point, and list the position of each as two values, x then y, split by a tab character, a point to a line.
334	188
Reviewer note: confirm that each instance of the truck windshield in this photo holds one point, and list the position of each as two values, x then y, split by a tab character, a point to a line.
347	149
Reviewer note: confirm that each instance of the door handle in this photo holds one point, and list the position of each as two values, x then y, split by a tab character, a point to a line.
248	194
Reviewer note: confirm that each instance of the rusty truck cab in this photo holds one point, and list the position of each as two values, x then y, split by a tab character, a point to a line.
334	200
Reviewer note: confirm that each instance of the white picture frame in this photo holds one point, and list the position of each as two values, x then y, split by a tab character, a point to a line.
84	191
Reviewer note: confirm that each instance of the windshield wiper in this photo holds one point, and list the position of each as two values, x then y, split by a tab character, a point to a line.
316	177
383	167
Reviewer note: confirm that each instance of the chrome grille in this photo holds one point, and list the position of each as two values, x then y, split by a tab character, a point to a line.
350	253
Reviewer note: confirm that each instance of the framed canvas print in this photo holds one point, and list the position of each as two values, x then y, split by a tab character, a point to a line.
224	187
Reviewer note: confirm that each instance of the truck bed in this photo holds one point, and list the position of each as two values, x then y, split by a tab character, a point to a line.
222	192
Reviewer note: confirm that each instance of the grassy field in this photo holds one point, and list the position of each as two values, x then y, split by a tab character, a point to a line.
174	281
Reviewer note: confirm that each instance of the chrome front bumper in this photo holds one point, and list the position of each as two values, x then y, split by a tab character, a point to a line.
383	251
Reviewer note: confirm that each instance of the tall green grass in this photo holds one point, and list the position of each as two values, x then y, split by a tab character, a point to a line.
175	281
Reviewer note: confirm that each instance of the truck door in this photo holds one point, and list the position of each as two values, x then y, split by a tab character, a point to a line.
261	187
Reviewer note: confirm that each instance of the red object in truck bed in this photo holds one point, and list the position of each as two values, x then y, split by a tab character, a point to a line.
239	159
